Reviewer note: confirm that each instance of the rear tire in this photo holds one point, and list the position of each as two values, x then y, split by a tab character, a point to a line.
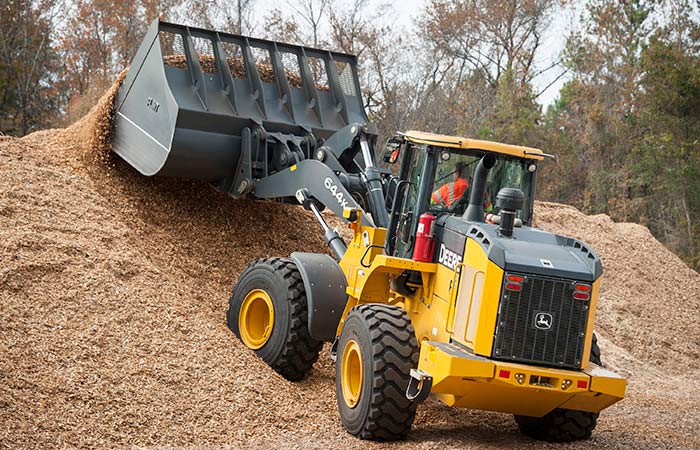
377	349
560	425
268	313
595	352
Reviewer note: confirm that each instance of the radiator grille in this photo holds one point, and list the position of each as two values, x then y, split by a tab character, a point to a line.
542	324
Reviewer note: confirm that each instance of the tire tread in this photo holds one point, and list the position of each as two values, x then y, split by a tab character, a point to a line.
394	354
560	425
299	350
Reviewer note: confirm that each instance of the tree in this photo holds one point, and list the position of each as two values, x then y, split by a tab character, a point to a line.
627	126
311	14
516	114
229	16
482	55
666	163
28	66
494	37
355	29
597	106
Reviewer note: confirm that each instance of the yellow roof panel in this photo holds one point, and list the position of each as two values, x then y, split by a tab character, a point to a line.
421	137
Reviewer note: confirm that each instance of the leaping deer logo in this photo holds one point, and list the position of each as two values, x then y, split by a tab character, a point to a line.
543	321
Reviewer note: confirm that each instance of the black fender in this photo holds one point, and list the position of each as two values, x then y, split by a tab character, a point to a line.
325	285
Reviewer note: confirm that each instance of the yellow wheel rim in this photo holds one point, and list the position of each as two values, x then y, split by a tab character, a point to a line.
256	319
351	373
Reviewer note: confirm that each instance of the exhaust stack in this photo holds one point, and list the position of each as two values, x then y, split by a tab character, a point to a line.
475	210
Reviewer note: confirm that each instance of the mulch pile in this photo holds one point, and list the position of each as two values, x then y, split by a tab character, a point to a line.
650	299
114	288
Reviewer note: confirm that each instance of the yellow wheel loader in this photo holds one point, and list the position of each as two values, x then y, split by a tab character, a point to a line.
445	287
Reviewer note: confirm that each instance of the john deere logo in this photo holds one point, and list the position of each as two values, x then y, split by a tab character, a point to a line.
448	258
543	321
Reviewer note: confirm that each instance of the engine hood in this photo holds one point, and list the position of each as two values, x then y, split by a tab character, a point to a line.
529	250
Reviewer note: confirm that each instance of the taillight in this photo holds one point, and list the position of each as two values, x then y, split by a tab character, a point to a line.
514	283
582	292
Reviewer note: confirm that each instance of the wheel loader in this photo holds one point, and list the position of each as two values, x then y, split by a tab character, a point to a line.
458	297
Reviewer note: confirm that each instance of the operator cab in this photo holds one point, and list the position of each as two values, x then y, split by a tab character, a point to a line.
436	177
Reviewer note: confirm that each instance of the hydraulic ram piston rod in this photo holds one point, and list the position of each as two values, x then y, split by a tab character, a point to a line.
373	183
332	238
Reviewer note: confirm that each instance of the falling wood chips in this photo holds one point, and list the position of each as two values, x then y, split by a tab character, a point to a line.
113	295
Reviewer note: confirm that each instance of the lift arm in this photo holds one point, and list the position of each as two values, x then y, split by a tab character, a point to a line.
315	177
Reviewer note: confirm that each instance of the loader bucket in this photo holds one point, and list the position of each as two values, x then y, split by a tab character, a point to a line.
190	95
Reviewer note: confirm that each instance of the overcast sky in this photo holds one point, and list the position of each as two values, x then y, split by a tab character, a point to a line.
406	10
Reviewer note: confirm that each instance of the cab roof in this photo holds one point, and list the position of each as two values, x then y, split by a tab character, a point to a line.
421	137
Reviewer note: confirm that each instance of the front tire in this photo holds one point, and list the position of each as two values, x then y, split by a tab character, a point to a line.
377	349
268	313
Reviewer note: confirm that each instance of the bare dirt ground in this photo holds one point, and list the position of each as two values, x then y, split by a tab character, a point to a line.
114	288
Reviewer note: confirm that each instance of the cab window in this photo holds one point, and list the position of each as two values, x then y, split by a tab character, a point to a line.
454	176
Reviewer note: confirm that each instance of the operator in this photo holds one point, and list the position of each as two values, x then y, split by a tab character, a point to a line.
450	192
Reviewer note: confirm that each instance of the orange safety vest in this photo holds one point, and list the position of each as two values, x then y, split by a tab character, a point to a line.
450	192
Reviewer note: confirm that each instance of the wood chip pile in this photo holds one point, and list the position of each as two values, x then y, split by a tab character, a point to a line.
237	67
113	294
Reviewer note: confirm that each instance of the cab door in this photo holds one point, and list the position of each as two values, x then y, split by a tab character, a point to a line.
418	167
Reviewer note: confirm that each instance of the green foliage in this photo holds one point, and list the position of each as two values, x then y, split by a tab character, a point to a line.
667	160
626	128
516	114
